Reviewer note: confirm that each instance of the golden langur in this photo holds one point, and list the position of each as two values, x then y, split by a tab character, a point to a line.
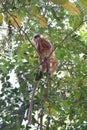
45	55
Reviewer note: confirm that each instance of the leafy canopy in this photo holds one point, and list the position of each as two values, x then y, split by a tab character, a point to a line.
64	24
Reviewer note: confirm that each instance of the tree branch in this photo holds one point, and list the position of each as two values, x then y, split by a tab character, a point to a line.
31	103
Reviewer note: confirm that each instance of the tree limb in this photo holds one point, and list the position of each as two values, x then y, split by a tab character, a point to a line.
31	103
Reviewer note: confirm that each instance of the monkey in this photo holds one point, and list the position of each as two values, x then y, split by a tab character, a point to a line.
45	55
47	65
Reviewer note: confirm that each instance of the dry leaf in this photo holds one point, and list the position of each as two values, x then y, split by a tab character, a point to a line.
15	20
41	20
59	1
1	19
71	8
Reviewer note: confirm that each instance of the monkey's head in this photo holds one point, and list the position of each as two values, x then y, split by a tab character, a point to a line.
37	37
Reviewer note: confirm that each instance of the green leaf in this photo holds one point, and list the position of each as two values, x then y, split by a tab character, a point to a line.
75	20
77	95
83	3
4	69
35	10
50	110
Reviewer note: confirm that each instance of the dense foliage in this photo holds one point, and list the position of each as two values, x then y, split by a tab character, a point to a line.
64	24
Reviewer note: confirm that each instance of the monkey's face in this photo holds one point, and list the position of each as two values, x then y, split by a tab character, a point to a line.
37	38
